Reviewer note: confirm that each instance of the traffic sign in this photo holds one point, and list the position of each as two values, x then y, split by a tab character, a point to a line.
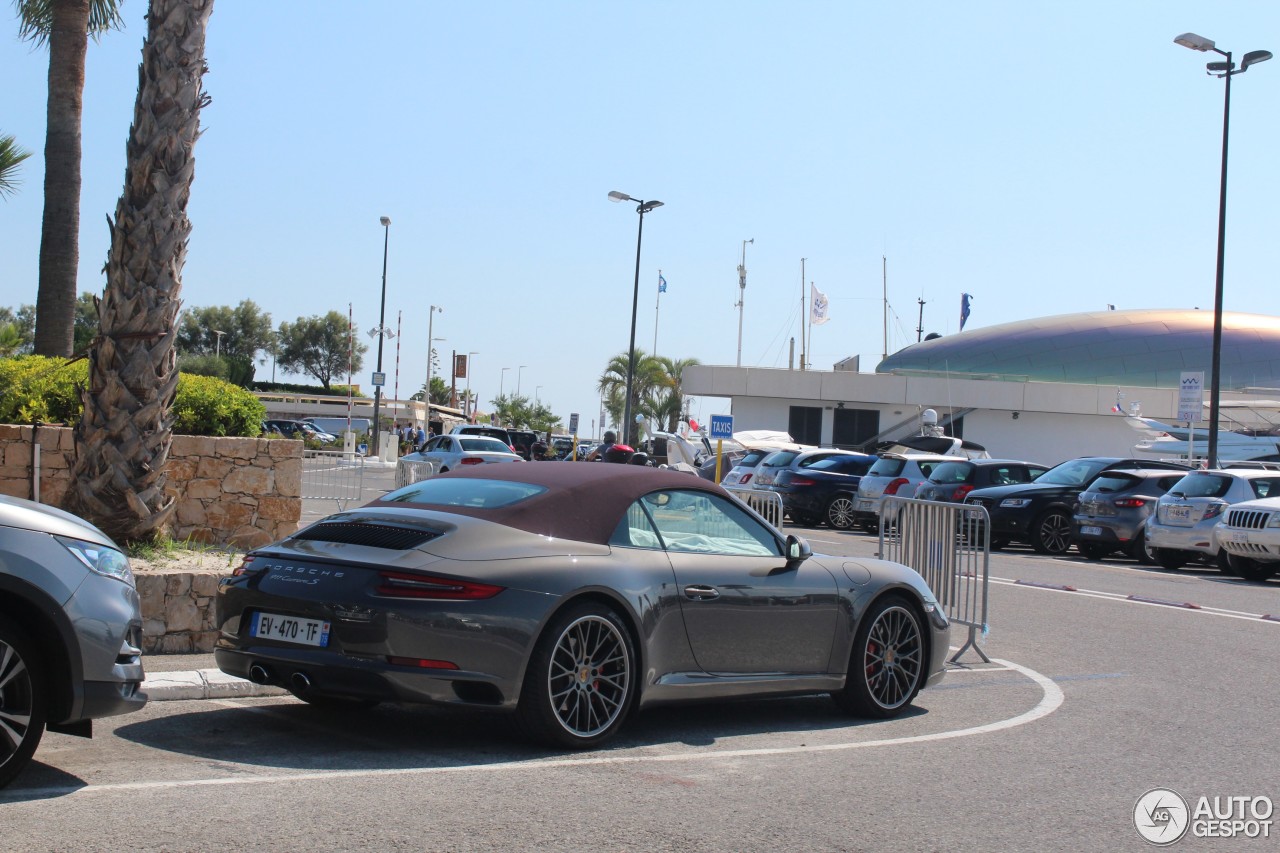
379	379
1191	397
722	426
573	424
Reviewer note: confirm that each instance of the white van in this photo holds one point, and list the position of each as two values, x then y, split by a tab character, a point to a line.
337	426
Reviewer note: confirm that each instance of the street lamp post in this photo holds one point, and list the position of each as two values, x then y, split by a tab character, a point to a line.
642	207
431	342
519	373
742	293
381	332
537	395
502	381
1225	70
217	346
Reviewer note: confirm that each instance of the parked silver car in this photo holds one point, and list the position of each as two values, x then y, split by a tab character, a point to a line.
894	474
70	629
790	460
1183	526
1111	514
448	452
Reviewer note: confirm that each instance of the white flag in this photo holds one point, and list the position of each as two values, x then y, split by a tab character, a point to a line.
817	306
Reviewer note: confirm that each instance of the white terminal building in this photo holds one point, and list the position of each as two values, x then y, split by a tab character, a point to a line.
1042	390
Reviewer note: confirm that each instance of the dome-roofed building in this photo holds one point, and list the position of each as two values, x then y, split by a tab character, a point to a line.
1149	348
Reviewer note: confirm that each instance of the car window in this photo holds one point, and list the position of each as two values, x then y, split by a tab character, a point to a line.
1202	486
1167	483
953	472
927	468
843	464
752	458
1113	483
887	466
708	524
779	459
635	530
1266	487
1035	472
816	458
480	443
464	492
1077	472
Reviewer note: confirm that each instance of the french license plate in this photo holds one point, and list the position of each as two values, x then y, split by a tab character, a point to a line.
1090	531
289	629
864	506
1177	513
1241	536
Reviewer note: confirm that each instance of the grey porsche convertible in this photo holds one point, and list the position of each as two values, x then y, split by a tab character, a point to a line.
572	596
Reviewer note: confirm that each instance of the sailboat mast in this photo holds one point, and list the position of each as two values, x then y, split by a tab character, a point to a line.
884	284
802	347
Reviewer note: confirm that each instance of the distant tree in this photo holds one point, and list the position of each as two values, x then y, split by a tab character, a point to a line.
10	339
64	25
203	365
649	376
664	401
319	346
246	332
86	326
514	410
10	156
24	326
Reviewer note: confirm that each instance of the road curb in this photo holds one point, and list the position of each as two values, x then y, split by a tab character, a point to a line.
204	684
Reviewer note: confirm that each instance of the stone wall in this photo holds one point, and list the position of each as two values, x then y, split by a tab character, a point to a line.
178	607
240	492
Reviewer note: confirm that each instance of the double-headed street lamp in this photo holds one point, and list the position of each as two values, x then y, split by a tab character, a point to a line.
1225	70
381	332
519	373
642	207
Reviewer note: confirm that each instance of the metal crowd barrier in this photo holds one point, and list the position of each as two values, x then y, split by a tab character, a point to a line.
950	546
410	471
332	475
768	504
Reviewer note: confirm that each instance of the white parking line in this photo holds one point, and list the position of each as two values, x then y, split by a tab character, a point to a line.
1051	699
1124	598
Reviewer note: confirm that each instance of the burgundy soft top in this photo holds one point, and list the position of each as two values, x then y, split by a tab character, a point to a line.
584	501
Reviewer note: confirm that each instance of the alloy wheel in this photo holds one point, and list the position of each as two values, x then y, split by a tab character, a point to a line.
1053	534
893	657
840	513
589	678
22	714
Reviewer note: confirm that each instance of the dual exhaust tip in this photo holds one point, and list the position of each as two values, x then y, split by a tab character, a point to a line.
299	682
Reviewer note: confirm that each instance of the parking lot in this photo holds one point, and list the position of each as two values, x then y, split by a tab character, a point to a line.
1107	680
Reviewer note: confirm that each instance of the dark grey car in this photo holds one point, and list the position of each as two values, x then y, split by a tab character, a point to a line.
571	596
1111	515
70	629
952	481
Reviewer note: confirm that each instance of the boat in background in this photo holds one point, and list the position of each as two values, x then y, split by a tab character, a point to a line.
1255	439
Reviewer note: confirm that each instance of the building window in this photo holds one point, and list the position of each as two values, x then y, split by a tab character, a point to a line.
805	424
854	427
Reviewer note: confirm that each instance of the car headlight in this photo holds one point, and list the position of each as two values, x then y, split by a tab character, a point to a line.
1015	503
1274	520
99	559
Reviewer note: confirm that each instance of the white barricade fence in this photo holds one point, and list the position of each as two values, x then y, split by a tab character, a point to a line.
332	475
411	471
949	544
768	504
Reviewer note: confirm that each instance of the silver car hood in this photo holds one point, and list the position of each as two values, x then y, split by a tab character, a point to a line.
29	515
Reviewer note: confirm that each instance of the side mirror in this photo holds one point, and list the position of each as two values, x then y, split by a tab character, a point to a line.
798	550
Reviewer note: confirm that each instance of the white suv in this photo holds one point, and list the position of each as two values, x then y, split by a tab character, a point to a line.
1250	534
1182	527
893	474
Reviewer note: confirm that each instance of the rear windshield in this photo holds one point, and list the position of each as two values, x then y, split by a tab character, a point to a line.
952	472
1077	472
842	464
887	466
779	459
752	458
1113	483
1266	487
1203	486
459	491
480	443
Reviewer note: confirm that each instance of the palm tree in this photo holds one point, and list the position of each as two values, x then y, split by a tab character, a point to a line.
65	25
123	439
665	402
649	374
10	156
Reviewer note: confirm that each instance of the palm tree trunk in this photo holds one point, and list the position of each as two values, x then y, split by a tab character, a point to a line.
123	441
60	230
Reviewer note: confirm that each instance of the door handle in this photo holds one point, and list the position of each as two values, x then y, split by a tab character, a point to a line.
698	592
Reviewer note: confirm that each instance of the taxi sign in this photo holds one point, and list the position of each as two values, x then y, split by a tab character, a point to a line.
722	426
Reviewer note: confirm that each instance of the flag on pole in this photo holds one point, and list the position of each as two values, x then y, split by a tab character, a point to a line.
817	306
662	284
964	309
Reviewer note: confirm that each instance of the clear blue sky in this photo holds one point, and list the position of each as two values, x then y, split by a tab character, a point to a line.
1045	158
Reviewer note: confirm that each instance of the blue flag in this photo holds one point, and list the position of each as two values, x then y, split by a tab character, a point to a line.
662	284
964	309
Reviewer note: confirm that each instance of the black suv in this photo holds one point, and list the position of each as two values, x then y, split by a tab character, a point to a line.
1040	513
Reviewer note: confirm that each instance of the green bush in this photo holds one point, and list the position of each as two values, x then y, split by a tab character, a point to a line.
38	388
205	405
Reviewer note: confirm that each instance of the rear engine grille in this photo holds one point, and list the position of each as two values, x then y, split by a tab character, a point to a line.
373	535
1248	519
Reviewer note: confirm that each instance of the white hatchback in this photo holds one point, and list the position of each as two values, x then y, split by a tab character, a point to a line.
1182	527
893	474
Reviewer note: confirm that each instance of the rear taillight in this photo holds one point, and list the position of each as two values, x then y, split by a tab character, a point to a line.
421	663
406	585
801	481
245	568
1130	503
892	488
1213	510
472	460
961	491
745	478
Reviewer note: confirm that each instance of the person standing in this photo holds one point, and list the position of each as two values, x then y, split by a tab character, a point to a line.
420	438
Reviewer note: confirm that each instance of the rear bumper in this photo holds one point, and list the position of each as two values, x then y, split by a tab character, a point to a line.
1198	538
